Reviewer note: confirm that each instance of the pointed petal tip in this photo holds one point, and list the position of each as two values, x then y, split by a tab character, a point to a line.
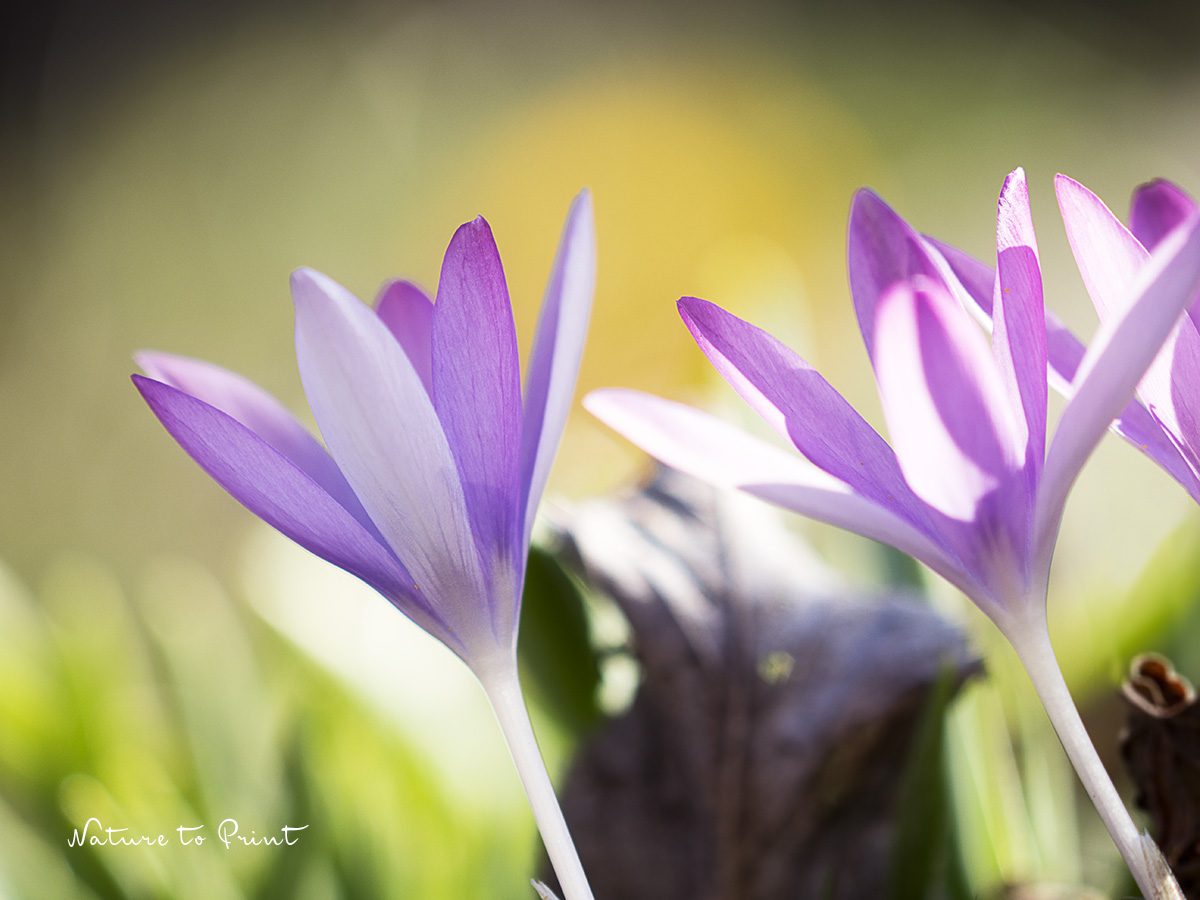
148	361
1013	180
692	306
867	200
1065	185
307	285
302	276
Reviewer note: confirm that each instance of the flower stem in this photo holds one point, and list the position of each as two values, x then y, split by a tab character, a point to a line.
504	691
1145	861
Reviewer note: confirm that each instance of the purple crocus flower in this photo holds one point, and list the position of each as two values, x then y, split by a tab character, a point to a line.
971	488
1164	422
435	465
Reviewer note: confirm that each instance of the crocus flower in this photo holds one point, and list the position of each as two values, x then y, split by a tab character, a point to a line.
1164	421
435	464
970	488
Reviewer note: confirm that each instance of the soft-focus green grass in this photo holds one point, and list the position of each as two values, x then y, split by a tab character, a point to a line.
156	711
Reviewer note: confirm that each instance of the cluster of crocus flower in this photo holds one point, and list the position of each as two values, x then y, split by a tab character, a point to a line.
970	486
435	462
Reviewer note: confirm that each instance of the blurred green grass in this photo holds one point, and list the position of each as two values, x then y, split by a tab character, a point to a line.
151	712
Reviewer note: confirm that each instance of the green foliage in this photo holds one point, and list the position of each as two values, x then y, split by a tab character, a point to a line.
559	662
181	707
924	853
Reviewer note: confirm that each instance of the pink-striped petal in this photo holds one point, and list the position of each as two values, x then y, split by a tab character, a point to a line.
801	405
283	494
407	312
557	352
383	432
1114	364
1019	316
707	448
477	394
945	404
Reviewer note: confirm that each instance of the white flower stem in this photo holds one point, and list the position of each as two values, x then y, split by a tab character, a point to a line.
1150	870
504	691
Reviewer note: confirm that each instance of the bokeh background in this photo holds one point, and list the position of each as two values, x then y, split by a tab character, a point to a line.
164	658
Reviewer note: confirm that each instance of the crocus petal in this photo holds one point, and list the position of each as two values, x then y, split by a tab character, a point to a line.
1108	255
801	405
277	490
882	250
383	432
261	413
1019	338
1157	209
943	399
1115	362
707	448
477	394
1064	354
407	312
557	351
1110	259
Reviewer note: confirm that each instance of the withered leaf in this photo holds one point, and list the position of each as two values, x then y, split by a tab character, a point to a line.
1161	749
762	754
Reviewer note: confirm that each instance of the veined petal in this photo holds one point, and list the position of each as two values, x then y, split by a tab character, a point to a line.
250	405
477	394
882	250
1157	209
407	312
945	404
707	448
383	432
1114	364
1019	314
280	492
801	405
557	352
1108	255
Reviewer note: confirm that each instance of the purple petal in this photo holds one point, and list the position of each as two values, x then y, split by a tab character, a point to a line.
883	249
1116	361
281	493
943	398
801	405
383	432
253	407
1157	209
1064	354
557	351
707	448
1019	316
477	391
977	279
408	313
1108	255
